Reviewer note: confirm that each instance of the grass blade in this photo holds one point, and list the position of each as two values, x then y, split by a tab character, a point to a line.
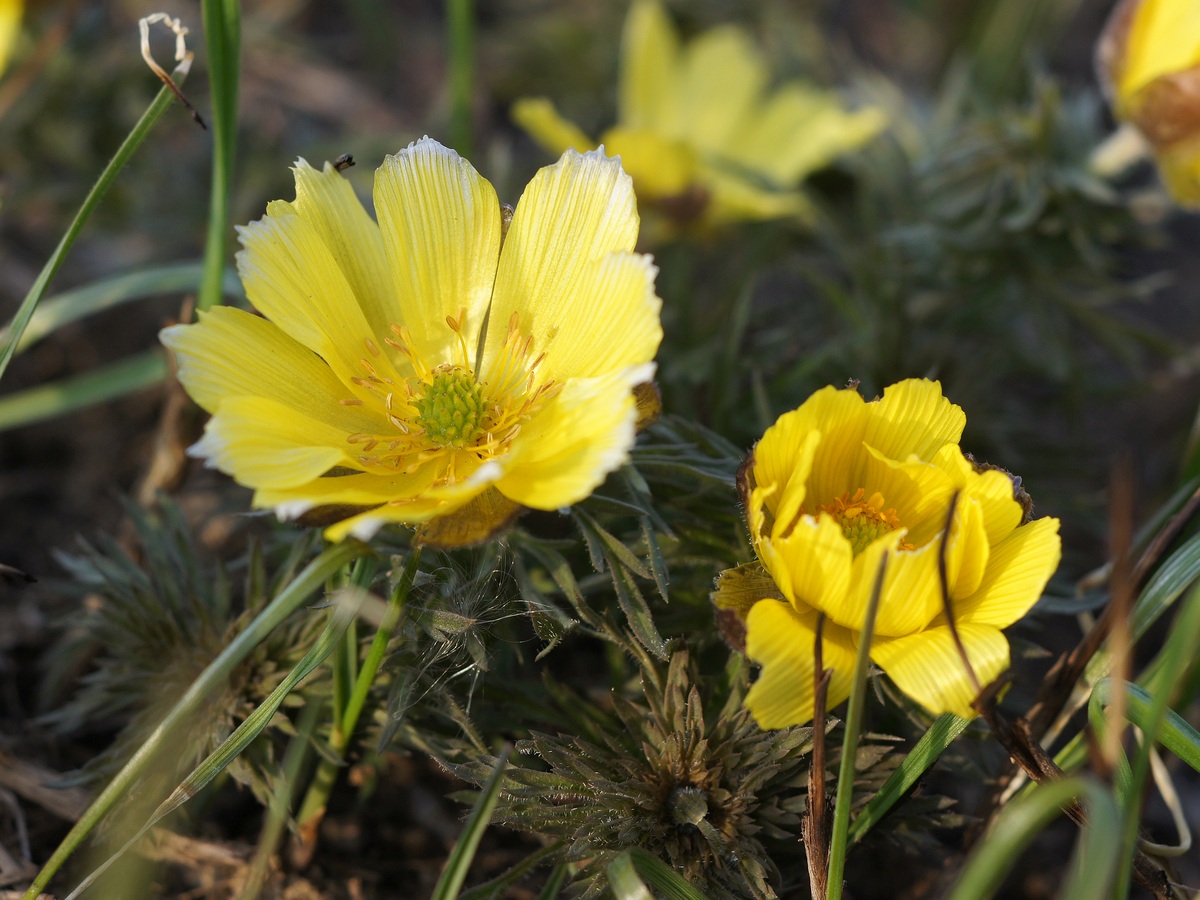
242	736
455	873
79	391
154	112
288	601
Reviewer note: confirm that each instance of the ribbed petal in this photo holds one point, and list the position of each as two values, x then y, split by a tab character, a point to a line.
327	200
441	232
912	594
541	121
786	503
649	77
587	310
723	75
927	665
992	489
1164	37
573	442
781	639
913	418
292	277
1016	575
813	565
263	443
968	550
800	129
918	491
232	353
839	417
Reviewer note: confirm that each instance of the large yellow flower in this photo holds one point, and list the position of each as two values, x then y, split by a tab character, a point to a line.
832	488
698	131
1149	56
436	361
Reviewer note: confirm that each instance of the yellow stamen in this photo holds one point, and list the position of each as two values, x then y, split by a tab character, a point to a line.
863	519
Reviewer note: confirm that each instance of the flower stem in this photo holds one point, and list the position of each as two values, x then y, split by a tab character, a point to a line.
461	40
839	842
312	808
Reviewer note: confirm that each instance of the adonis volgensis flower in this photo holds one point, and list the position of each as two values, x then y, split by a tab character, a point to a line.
832	489
440	367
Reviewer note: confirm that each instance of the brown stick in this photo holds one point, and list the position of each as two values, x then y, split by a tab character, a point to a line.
814	831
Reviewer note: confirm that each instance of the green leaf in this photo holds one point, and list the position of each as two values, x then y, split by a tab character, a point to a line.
1022	819
15	329
455	872
71	306
80	391
233	746
941	734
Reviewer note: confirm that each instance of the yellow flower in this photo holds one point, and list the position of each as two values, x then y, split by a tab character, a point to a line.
829	490
1149	57
433	366
10	29
698	131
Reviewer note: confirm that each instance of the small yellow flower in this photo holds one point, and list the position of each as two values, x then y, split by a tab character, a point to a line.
829	490
1149	58
10	29
697	129
433	366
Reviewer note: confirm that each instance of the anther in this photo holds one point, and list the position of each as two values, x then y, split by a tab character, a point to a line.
372	347
352	401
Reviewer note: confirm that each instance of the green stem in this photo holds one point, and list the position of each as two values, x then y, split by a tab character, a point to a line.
343	730
277	812
222	33
128	147
839	839
461	40
288	601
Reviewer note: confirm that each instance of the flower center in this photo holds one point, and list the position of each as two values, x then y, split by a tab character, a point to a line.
450	407
863	519
444	412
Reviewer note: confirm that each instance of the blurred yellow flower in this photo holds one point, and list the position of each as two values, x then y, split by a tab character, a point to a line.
435	365
703	138
1149	58
10	29
829	490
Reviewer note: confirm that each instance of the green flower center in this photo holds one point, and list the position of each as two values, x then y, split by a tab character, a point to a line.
450	409
863	519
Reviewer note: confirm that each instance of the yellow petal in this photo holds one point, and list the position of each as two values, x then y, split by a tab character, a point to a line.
927	666
541	121
573	442
912	590
1164	37
919	491
1016	575
588	310
913	419
800	129
839	417
786	503
232	353
660	166
1179	165
782	639
441	232
263	443
648	93
968	549
327	200
10	29
291	276
722	76
812	566
735	195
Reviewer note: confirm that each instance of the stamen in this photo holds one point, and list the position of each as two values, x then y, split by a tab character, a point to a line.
352	401
372	347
